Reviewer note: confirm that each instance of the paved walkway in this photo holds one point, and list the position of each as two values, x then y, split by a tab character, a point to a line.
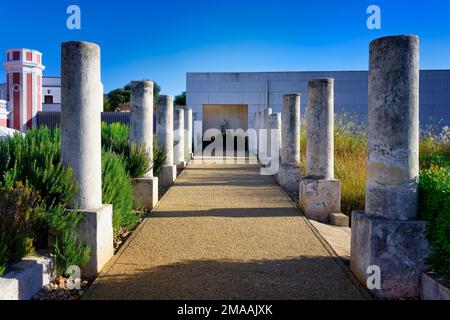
224	232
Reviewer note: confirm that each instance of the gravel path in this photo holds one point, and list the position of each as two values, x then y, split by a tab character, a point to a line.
224	232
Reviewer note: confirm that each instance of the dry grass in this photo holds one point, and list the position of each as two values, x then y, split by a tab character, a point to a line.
350	158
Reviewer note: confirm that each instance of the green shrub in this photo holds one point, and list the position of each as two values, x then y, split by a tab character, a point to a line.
19	209
35	160
67	248
117	190
434	152
115	138
434	186
159	156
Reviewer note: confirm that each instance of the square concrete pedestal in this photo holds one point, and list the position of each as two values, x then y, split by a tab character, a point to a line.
181	165
96	231
397	247
289	178
319	198
167	175
145	192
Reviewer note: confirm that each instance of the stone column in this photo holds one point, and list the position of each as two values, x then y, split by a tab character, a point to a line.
145	189
252	141
275	127
320	193
164	136
188	134
267	113
289	174
387	234
81	103
178	135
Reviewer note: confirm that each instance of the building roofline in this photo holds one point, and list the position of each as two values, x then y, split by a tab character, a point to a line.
308	71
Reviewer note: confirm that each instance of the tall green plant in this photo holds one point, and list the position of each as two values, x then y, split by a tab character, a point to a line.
67	247
116	190
434	186
19	209
115	138
35	160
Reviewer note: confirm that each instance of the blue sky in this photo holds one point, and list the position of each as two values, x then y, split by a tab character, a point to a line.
162	40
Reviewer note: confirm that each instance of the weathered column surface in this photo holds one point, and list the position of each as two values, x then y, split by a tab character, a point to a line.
386	234
145	189
164	136
267	113
141	116
275	126
253	143
188	133
320	129
320	193
178	126
81	104
289	173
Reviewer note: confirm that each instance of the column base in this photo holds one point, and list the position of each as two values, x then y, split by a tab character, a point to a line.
145	192
181	165
319	198
289	178
339	220
398	247
167	175
96	231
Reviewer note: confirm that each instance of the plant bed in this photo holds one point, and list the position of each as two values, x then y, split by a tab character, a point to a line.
58	290
433	286
25	278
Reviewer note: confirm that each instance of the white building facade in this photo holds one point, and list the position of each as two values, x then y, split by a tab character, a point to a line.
236	97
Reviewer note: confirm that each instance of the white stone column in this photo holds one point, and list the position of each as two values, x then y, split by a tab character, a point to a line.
252	141
178	135
82	100
145	189
387	234
188	134
289	174
275	127
164	137
320	193
267	113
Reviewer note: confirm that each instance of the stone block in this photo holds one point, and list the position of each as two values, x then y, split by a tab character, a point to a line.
339	219
397	247
96	231
289	177
26	278
433	287
319	198
145	192
181	165
167	175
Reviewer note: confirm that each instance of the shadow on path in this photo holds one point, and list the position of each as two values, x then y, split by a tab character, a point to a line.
295	278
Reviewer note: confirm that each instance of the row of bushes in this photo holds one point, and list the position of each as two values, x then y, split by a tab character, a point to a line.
37	190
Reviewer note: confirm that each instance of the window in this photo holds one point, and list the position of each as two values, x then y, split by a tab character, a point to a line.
16	55
48	99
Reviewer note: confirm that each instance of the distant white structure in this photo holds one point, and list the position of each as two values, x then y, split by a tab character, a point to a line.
26	91
237	97
7	132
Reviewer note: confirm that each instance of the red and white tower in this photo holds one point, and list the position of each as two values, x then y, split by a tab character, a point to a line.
23	87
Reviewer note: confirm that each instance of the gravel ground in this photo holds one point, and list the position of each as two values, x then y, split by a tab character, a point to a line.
224	232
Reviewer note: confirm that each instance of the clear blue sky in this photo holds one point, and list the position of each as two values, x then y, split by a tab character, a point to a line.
162	40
